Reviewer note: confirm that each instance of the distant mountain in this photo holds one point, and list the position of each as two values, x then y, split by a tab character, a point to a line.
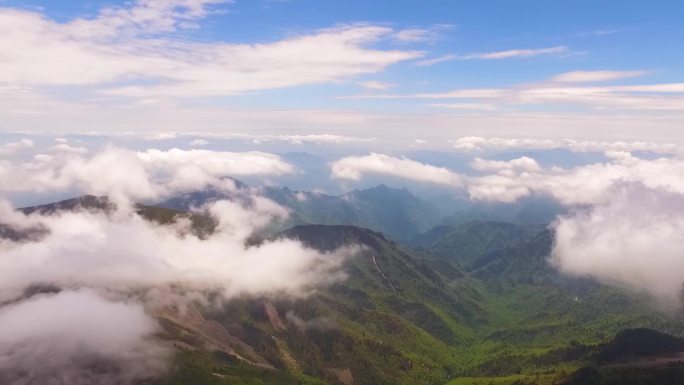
538	210
469	242
494	251
396	213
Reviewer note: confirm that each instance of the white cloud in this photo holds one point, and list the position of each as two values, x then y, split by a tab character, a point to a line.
361	124
497	55
627	221
602	32
139	175
203	136
627	225
515	53
139	261
565	90
354	167
595	76
465	106
162	136
656	88
123	251
115	54
470	143
479	143
12	148
421	35
215	163
471	93
583	185
72	334
633	240
436	60
64	146
414	35
523	163
299	138
144	17
377	85
599	98
508	181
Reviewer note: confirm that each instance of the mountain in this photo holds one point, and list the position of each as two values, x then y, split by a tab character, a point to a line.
631	344
402	318
635	357
395	212
539	210
473	303
466	243
88	202
202	225
394	320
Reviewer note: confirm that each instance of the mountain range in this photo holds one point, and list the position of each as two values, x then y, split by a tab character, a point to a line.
427	300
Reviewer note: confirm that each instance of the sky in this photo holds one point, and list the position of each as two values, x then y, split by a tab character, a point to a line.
401	73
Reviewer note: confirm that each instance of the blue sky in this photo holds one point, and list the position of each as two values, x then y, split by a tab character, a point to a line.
430	71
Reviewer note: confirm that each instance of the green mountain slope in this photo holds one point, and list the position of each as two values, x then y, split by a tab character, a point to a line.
469	242
393	321
398	320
